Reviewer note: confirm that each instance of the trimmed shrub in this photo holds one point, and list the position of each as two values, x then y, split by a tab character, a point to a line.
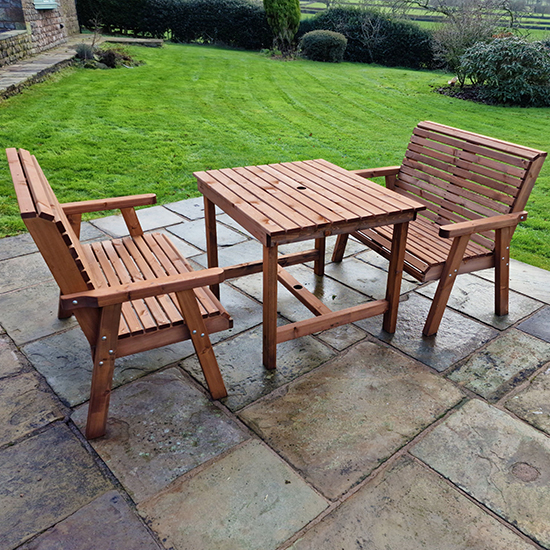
237	23
376	38
323	46
509	70
283	17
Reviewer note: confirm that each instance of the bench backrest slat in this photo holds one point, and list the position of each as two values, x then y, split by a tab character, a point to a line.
463	176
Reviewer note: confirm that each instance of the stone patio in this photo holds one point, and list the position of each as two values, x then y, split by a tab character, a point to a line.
359	440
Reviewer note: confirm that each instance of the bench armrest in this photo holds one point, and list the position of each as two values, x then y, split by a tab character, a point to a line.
101	297
377	172
484	224
113	203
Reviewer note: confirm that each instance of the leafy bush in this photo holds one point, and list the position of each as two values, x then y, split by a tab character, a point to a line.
509	70
283	17
238	23
323	46
375	37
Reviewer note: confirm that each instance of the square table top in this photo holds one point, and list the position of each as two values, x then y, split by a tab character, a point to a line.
293	201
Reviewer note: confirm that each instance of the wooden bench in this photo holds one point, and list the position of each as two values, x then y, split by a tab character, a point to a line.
475	189
128	295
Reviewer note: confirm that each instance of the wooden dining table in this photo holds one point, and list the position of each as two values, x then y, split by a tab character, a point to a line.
298	201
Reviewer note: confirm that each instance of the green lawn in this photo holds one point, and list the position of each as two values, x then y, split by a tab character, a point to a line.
147	129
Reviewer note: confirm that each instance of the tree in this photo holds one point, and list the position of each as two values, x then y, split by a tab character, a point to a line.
283	17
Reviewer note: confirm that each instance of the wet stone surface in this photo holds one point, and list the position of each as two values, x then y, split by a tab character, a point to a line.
160	427
23	271
31	313
340	422
192	209
248	500
503	364
476	297
10	361
533	403
524	278
25	405
410	508
119	528
65	361
538	325
457	337
43	480
500	461
194	233
245	377
364	277
11	247
246	251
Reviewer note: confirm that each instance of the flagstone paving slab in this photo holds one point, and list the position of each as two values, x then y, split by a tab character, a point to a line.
25	405
20	245
31	313
353	247
10	361
194	233
193	209
342	337
476	297
526	279
538	325
340	422
248	500
497	459
333	294
246	251
456	338
185	249
533	403
245	377
65	361
375	259
43	480
23	271
506	362
409	508
364	277
106	523
160	427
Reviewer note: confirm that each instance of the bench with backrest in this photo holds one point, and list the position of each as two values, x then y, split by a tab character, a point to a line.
475	189
130	294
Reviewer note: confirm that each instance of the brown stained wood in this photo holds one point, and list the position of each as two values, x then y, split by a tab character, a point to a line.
323	209
201	343
301	293
502	269
102	375
39	195
340	248
475	226
395	272
319	264
527	187
211	240
114	203
132	222
445	286
270	307
27	207
377	172
331	320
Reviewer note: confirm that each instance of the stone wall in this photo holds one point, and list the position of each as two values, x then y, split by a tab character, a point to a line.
45	29
14	45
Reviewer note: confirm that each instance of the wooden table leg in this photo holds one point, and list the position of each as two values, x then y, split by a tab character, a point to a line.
270	307
319	264
211	239
395	273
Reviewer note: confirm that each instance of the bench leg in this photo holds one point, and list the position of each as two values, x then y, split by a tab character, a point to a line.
102	375
340	247
270	280
445	285
201	342
502	269
62	313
